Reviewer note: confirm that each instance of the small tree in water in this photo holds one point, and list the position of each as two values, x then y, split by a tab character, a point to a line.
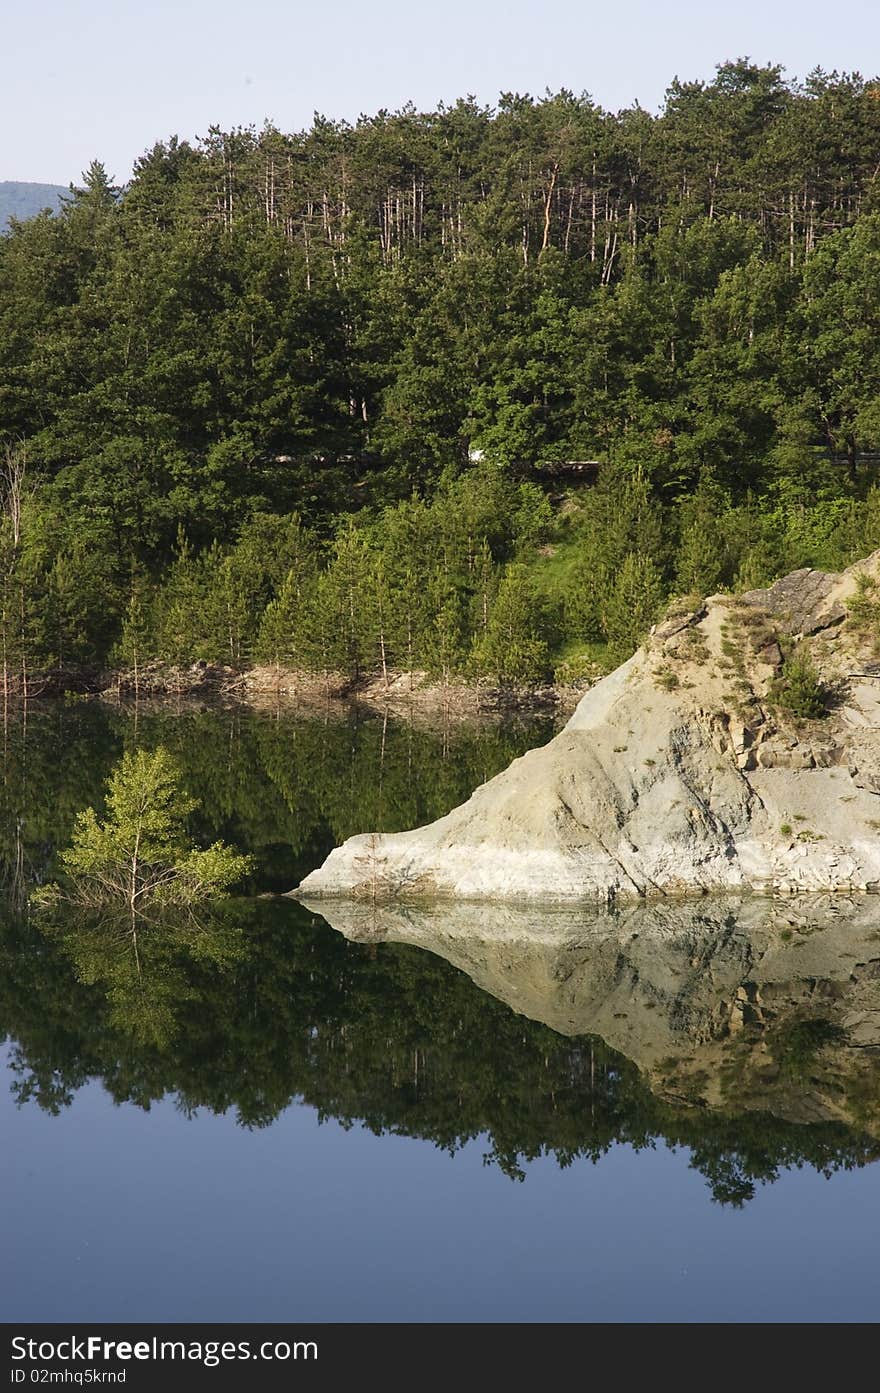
141	853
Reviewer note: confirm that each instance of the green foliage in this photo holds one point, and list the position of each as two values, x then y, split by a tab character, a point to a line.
512	648
140	853
262	1003
864	611
346	602
280	437
134	646
800	690
633	604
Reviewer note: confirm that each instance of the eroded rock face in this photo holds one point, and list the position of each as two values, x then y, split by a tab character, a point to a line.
803	602
679	772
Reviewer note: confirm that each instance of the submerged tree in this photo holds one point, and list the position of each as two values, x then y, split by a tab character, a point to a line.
141	853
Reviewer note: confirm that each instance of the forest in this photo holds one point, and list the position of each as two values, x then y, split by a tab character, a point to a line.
471	391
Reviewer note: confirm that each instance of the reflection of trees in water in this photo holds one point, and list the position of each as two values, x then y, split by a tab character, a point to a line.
52	765
264	1005
283	788
260	1004
142	964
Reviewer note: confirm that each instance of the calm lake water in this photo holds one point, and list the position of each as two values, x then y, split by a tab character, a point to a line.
462	1114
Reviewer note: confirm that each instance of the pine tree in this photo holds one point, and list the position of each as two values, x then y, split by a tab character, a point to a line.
233	599
633	605
699	561
347	601
585	594
140	853
181	608
379	610
800	689
484	581
444	640
133	646
283	638
512	649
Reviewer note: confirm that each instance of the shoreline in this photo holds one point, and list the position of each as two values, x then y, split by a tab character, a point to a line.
400	694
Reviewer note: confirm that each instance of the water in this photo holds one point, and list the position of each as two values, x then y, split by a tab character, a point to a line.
455	1114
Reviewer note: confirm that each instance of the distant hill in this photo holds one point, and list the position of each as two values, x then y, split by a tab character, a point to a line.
19	200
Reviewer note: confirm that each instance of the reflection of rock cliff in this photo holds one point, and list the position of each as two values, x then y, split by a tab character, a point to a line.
742	1004
680	771
771	1018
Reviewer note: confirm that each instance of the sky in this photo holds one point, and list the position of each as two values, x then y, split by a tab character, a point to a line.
105	79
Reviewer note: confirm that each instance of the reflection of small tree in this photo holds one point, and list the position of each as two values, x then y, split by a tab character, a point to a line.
145	979
797	1044
141	854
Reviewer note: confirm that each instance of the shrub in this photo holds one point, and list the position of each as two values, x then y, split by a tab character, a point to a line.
800	690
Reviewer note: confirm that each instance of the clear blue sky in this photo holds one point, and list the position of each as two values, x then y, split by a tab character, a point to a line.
106	78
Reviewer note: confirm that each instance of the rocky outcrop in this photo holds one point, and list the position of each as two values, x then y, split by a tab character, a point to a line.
682	771
803	602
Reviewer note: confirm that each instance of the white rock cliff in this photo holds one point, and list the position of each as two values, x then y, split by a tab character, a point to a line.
680	772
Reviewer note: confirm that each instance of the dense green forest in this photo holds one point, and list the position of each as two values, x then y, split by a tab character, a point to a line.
314	399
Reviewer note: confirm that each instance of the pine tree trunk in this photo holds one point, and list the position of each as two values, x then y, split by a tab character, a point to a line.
593	216
548	204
